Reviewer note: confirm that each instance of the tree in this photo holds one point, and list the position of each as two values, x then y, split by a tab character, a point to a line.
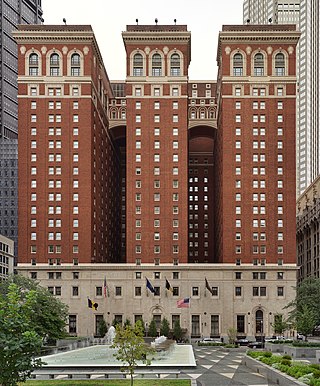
152	329
102	328
307	294
232	335
127	322
19	342
177	331
164	328
279	324
51	317
131	348
305	320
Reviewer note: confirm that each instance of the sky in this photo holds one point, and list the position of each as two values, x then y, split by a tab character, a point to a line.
108	19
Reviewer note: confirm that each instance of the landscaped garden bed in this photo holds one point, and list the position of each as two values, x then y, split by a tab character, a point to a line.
308	374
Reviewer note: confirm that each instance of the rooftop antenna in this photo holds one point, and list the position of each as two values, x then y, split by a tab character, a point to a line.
175	21
156	20
137	21
65	21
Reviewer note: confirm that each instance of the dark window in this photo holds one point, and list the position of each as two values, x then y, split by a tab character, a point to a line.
72	324
75	291
156	291
157	275
75	65
175	275
279	65
175	65
195	291
156	65
280	275
118	291
258	65
255	291
238	65
280	291
174	319
138	275
214	324
175	291
33	275
215	291
238	275
240	324
138	65
75	275
98	291
137	291
238	291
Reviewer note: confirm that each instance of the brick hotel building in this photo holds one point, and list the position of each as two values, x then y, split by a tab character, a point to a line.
159	177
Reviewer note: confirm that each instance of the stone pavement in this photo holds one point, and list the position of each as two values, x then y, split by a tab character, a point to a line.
219	368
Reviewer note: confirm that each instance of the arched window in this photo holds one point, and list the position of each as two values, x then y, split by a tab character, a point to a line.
33	64
156	65
280	64
138	65
237	65
259	322
258	65
54	65
175	65
75	65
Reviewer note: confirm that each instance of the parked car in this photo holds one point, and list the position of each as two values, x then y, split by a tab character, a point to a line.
242	342
256	345
210	340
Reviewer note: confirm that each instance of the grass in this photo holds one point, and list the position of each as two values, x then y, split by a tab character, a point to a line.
112	382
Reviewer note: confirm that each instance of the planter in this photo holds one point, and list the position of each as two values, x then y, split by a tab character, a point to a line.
274	347
300	352
273	375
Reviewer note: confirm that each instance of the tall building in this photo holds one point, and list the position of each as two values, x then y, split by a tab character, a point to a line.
68	165
6	257
305	14
187	184
13	12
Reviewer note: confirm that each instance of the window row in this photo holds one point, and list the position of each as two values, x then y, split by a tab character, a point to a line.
259	64
175	131
156	64
156	249
54	64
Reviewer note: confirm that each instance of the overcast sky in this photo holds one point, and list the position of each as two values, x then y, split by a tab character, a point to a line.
204	19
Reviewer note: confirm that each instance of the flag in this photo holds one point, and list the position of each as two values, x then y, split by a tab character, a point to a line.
168	286
208	287
183	303
150	287
92	304
105	288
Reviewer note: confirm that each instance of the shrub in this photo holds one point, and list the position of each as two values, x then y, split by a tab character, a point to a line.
267	354
286	362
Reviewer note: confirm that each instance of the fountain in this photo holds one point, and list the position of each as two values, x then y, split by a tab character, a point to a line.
110	335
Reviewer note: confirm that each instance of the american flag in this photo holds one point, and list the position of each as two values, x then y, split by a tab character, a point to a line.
183	303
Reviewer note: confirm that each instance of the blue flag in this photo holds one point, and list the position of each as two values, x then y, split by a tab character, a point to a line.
150	287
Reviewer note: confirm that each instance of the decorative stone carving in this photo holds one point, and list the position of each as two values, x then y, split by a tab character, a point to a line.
227	50
166	50
147	50
248	50
269	50
64	50
44	50
85	50
290	50
23	50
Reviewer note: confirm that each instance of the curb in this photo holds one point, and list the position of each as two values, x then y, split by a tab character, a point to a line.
272	375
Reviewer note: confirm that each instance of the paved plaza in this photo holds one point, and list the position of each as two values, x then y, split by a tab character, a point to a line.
219	368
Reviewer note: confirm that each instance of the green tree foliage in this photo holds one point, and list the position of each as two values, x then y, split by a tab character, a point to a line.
232	335
177	331
102	328
19	342
279	325
127	322
164	328
307	300
306	320
50	317
152	329
131	348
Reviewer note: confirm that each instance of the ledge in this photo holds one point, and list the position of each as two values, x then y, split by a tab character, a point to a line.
272	375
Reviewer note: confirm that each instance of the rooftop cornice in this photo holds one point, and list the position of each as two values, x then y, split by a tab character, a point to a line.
151	37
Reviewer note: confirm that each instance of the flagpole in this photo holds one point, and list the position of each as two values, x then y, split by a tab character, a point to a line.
189	320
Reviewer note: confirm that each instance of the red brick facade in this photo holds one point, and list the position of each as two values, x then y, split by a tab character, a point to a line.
145	172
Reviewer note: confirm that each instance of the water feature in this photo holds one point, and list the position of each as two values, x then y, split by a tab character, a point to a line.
102	356
110	335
